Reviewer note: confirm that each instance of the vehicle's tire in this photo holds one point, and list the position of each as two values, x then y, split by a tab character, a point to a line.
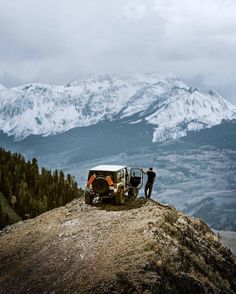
120	197
100	186
133	193
88	198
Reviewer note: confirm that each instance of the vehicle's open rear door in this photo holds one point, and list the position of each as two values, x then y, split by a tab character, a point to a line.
136	177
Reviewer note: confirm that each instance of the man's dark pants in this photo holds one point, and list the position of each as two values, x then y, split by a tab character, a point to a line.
148	190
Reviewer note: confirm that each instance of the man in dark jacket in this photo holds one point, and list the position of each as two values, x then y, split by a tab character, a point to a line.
151	176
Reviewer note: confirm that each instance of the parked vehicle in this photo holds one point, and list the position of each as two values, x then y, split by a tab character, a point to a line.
113	181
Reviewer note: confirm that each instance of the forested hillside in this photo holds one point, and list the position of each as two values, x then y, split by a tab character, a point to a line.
30	190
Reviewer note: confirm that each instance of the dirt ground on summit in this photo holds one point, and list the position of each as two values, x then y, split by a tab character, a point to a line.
142	246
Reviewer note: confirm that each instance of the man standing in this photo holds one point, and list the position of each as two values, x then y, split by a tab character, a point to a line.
151	176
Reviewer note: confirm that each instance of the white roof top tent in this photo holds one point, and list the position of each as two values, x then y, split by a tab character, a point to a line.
112	168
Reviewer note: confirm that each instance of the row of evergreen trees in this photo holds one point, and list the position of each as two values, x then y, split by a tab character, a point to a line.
31	191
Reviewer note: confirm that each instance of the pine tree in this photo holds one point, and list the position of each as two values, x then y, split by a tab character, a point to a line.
32	192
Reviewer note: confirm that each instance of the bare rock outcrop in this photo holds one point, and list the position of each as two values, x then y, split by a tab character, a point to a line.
142	247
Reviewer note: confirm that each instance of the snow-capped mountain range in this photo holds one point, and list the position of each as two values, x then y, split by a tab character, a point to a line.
172	107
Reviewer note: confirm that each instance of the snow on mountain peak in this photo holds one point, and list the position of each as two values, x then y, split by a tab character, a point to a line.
189	112
166	102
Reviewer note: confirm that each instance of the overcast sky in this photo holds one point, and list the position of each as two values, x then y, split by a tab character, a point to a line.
54	41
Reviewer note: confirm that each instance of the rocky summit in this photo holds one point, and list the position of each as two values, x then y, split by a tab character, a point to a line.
142	247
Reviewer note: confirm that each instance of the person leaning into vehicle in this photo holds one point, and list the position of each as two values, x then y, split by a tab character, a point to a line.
151	176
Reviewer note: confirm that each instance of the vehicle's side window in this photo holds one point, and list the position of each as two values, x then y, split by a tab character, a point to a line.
122	173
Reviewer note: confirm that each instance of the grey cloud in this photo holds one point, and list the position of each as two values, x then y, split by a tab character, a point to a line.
54	41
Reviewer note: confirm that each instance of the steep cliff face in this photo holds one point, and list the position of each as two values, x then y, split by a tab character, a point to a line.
142	246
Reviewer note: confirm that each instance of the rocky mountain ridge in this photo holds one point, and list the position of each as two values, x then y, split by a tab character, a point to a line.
165	102
143	247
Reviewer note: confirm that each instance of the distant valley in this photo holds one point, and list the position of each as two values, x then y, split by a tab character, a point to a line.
193	149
